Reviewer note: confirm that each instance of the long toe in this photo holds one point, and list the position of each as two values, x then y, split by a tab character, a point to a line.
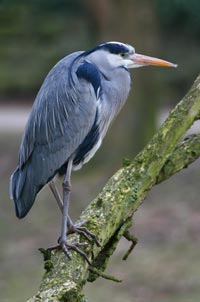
90	236
65	247
75	247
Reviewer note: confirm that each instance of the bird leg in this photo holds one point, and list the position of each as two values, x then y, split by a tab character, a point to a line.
58	198
66	197
63	244
56	194
73	228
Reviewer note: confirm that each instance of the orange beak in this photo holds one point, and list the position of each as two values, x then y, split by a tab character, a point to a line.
139	60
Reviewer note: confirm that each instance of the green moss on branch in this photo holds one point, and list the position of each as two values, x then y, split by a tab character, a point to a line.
184	154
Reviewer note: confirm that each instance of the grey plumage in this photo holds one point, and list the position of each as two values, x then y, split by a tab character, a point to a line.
63	114
72	112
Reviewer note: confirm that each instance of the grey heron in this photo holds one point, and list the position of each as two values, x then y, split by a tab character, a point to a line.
72	112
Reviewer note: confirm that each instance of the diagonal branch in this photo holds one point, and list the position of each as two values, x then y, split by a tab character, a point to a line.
185	153
110	213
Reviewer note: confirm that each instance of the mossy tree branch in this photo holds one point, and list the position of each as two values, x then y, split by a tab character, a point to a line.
109	215
185	153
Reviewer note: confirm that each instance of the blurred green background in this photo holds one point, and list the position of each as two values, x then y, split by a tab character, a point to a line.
34	35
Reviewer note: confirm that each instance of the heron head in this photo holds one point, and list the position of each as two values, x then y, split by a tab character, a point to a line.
124	55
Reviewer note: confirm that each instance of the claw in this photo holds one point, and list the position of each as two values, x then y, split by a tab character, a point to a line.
78	228
74	246
65	246
87	233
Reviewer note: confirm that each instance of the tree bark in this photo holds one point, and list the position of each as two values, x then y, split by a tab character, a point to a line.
109	215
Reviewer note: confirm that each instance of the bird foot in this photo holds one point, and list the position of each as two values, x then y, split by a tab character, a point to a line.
66	246
78	228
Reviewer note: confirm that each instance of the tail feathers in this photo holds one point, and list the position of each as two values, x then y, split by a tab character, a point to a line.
22	191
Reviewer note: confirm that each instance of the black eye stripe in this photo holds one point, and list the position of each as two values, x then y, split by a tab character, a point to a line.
116	48
112	47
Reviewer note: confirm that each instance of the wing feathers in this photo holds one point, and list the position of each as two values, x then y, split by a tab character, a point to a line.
60	120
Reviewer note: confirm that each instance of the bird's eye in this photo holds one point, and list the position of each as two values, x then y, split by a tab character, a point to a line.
122	55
